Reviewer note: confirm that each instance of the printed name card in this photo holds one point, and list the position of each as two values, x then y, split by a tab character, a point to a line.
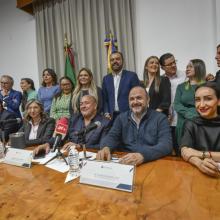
18	157
108	174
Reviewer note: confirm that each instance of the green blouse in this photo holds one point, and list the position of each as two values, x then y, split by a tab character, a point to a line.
60	107
31	94
184	105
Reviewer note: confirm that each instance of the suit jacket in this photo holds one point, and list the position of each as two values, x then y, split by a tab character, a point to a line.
12	101
162	99
128	81
44	132
9	128
217	78
92	138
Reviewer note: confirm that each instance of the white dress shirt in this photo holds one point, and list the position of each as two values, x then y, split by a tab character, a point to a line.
33	132
175	80
117	79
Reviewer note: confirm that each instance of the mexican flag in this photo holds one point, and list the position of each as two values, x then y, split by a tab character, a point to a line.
69	66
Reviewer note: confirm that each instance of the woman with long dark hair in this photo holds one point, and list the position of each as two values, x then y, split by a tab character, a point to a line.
49	89
184	103
61	102
29	92
200	144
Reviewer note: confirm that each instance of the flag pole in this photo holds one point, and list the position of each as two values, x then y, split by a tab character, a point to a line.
69	63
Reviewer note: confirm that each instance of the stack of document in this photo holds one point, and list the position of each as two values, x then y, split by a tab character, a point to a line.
59	164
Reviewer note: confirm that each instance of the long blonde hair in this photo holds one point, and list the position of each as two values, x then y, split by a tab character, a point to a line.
157	76
77	91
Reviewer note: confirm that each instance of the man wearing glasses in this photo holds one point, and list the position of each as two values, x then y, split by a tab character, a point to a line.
168	64
10	98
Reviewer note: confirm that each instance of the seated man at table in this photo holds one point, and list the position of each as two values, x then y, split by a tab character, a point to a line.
142	131
9	128
80	122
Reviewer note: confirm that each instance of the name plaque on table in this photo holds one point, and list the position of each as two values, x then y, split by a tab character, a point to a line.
108	174
18	157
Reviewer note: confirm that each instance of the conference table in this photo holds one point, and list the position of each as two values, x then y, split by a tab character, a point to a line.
168	189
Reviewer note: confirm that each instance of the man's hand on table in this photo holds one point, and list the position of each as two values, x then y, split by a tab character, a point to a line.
104	154
131	158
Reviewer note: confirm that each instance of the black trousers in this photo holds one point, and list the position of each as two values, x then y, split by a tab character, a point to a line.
174	139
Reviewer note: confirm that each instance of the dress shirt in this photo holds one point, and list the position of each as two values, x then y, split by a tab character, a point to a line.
33	131
175	80
117	78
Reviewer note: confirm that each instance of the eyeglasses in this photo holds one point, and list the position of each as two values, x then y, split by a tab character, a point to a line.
65	84
4	83
171	64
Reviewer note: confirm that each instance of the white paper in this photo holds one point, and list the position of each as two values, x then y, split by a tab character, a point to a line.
71	176
108	174
58	165
47	157
89	155
18	157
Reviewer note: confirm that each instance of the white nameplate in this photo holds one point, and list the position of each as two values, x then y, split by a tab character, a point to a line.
108	174
18	157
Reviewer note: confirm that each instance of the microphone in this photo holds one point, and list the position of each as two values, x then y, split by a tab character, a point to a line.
89	128
60	132
13	120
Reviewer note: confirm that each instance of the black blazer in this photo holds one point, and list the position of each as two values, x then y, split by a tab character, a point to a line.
217	78
162	99
44	132
9	127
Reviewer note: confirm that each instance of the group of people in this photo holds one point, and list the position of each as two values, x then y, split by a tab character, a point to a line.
149	119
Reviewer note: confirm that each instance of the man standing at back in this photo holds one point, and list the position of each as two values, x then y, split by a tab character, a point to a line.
116	87
168	64
217	57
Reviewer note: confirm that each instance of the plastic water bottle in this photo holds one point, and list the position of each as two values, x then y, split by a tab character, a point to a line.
73	160
2	153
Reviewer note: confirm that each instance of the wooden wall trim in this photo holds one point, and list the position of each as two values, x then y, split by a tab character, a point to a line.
25	5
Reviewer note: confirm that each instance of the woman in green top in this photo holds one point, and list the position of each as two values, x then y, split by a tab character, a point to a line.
184	103
61	102
28	88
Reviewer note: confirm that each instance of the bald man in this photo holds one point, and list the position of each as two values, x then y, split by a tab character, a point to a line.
143	132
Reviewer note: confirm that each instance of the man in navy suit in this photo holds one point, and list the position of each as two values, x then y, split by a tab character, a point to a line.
116	87
10	98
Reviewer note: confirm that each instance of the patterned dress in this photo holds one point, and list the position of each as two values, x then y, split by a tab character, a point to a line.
60	107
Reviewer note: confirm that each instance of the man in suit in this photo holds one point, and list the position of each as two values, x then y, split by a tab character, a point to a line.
10	98
9	128
217	57
116	87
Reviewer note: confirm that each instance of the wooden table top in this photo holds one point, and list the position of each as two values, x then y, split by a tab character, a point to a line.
165	189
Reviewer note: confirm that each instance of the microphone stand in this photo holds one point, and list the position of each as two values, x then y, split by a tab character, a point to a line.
58	155
3	136
82	142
